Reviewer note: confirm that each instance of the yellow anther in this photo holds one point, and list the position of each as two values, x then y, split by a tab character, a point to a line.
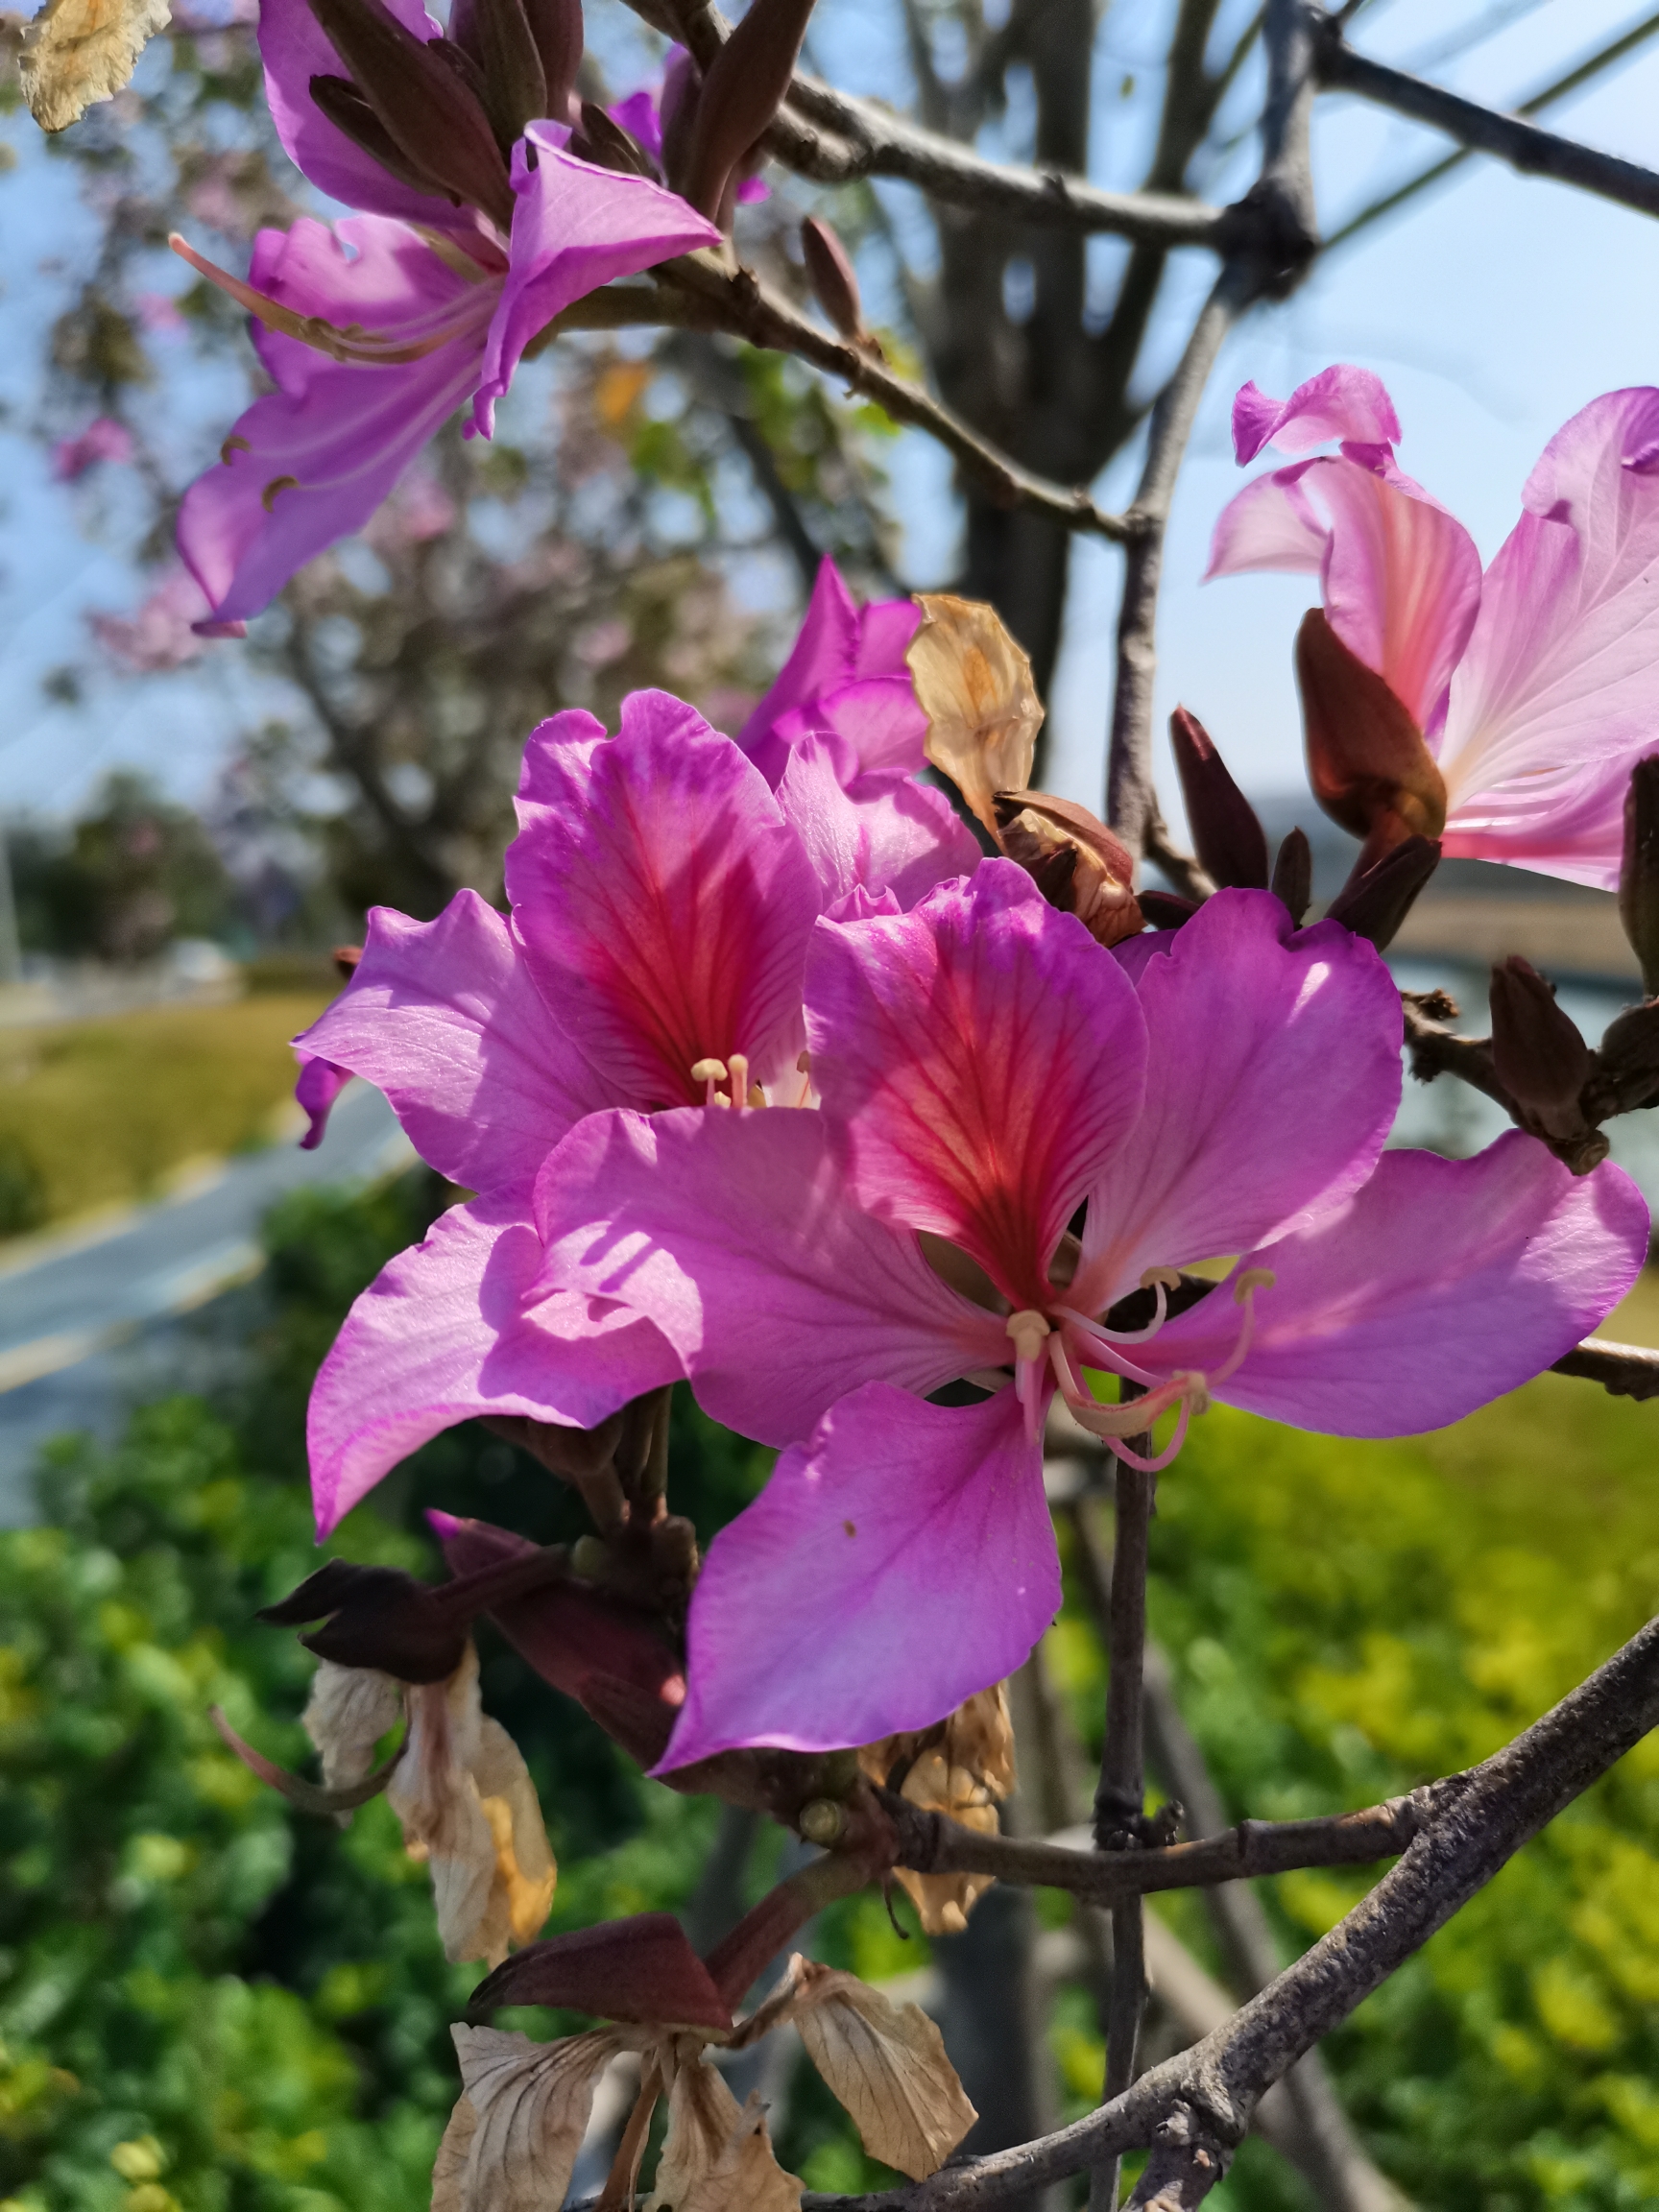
756	1096
708	1072
268	497
1252	1278
739	1075
1029	1328
1169	1277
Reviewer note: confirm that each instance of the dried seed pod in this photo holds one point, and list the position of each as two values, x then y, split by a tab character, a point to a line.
1366	759
1230	841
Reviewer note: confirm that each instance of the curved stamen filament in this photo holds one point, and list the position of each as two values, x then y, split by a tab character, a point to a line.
1030	1332
411	341
1244	1291
1105	1347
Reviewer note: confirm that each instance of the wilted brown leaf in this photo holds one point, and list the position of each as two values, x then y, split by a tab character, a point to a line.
962	1768
528	2104
77	52
975	686
746	2176
349	1710
467	1807
886	2064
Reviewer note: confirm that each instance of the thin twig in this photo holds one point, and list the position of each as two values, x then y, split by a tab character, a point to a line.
933	1843
1525	147
735	301
1622	1370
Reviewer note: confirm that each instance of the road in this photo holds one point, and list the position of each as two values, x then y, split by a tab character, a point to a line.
88	1317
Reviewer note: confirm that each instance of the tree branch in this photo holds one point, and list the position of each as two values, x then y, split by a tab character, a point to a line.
1497	1808
1525	147
1622	1370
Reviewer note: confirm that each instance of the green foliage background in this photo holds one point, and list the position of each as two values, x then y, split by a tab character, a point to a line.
207	2000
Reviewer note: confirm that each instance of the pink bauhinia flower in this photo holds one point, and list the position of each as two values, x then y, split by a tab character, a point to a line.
377	330
1536	685
987	1070
105	440
663	898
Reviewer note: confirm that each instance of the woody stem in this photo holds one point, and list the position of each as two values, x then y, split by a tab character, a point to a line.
1119	1800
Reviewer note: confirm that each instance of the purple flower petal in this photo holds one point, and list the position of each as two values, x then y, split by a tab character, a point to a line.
320	1083
309	463
1439	1285
842	654
732	1232
985	1057
574	229
445	1018
1272	1079
883	832
897	1564
451	1328
1558	692
1341	403
664	902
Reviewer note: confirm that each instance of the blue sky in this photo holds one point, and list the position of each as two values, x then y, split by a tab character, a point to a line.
1495	308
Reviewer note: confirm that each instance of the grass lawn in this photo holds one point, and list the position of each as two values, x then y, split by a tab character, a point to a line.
100	1111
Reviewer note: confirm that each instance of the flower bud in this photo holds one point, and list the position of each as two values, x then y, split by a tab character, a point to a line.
495	34
1639	873
744	90
1073	860
1537	1052
1376	899
433	118
1292	882
599	139
1366	759
830	273
556	26
1230	841
1627	1058
1165	910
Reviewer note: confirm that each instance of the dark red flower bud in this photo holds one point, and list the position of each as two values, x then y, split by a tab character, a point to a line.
495	35
1366	759
433	118
556	26
381	1616
1375	900
641	1968
1074	860
1537	1052
1639	873
1629	1056
1228	838
1293	876
742	91
830	273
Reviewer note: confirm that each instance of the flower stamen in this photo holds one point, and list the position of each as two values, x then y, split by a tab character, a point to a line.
1029	1331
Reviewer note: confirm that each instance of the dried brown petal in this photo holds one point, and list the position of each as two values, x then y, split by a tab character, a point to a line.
79	52
528	2105
886	2064
467	1807
975	686
1073	860
349	1710
716	2156
962	1768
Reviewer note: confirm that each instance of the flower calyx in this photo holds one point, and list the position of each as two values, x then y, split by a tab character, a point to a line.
1368	764
1639	871
743	90
383	1618
427	102
1377	897
1538	1053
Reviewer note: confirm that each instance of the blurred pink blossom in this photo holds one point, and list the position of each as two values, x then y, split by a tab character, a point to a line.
419	509
158	312
105	440
157	635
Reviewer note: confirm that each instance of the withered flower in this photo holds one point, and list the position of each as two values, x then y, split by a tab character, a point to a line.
1073	860
975	686
963	1769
